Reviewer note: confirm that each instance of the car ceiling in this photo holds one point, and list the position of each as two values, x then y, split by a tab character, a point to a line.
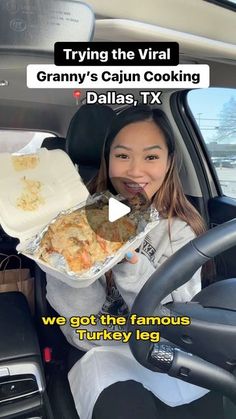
205	32
196	17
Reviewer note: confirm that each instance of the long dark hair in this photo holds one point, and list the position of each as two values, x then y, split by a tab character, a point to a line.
170	199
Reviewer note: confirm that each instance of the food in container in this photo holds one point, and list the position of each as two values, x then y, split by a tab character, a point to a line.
81	244
39	191
25	161
31	196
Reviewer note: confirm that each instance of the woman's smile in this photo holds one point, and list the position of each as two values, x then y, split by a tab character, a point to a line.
134	187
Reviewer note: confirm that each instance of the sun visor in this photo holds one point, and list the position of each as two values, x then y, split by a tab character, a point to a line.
33	26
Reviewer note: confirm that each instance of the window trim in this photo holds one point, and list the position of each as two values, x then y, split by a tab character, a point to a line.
218	182
224	4
199	144
196	147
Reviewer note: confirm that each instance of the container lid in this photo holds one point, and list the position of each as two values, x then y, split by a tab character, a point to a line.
34	188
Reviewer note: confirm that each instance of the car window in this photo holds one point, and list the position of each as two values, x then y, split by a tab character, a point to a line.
12	141
214	110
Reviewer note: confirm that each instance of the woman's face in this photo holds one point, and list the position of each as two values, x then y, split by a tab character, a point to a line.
138	160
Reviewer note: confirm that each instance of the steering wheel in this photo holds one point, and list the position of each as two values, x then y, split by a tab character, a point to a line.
203	353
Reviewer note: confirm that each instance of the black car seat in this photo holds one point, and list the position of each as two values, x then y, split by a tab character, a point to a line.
85	138
52	143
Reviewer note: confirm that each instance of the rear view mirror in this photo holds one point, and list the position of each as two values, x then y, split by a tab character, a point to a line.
33	26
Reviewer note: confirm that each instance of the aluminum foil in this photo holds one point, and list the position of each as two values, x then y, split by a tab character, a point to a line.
146	218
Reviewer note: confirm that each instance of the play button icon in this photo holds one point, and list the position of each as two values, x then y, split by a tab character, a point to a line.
114	216
116	210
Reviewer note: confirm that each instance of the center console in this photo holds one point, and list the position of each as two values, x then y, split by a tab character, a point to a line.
22	384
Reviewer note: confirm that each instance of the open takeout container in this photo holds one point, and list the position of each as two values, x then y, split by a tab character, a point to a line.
61	190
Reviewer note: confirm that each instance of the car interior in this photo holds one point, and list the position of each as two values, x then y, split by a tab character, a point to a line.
35	359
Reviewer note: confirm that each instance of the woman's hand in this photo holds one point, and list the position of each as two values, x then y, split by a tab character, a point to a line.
131	257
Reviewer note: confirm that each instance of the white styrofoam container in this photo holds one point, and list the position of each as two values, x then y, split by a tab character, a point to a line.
62	188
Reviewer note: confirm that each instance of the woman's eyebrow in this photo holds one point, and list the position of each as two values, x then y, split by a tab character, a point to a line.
130	149
152	147
122	146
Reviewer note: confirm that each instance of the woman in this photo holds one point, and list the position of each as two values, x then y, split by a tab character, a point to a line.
139	157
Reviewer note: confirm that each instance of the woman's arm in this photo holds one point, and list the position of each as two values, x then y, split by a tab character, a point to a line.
130	278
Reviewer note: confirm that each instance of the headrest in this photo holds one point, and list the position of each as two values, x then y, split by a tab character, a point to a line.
53	143
86	134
